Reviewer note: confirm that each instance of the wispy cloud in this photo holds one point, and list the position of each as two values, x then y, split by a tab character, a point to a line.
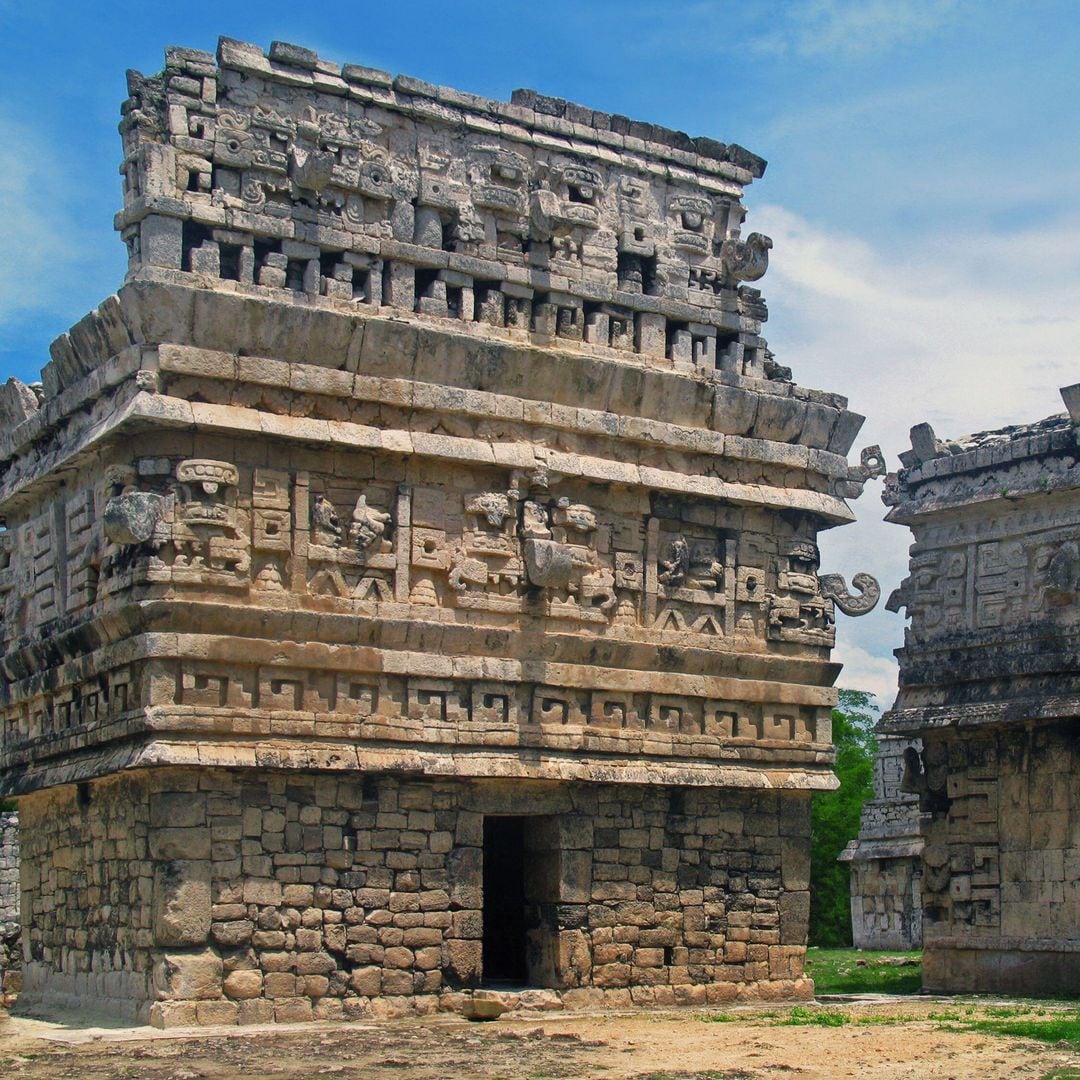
35	233
49	257
866	671
951	331
966	330
853	28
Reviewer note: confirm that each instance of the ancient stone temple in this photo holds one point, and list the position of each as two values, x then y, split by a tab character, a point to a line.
410	579
886	862
990	683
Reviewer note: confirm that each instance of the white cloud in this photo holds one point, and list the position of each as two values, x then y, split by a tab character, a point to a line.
47	258
855	28
864	671
968	331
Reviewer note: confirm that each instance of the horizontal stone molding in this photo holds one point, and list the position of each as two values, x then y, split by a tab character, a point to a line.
449	762
175	413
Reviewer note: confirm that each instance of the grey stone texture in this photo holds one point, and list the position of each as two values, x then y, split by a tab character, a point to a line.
428	468
990	685
314	895
10	949
886	858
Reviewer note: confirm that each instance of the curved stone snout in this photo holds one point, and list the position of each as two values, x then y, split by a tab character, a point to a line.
746	260
131	518
835	589
548	564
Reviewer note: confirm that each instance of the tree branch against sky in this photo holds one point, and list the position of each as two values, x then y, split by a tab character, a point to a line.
921	191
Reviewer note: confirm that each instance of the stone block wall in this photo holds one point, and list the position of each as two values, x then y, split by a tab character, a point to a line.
86	896
886	903
1002	885
989	683
10	953
243	897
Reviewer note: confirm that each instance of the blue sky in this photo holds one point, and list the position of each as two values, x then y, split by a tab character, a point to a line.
922	190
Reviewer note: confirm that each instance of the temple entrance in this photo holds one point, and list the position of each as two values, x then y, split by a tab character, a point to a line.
504	900
521	881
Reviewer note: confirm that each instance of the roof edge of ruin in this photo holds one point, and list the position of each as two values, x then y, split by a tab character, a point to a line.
288	61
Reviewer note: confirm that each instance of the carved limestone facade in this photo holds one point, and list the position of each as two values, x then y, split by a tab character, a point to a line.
989	684
410	579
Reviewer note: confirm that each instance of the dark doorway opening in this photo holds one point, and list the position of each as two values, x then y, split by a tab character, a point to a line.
504	955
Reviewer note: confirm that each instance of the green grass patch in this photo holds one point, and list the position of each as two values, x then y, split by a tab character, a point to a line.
1062	1027
800	1016
858	971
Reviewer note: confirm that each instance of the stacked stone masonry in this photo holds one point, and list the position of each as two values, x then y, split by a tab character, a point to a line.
989	684
10	950
427	494
886	863
249	896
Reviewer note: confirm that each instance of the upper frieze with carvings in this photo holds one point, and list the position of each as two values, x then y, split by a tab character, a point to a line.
288	172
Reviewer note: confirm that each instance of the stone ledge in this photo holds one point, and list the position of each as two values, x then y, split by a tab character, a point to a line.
453	762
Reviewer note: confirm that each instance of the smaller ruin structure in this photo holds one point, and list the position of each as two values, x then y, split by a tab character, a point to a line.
990	684
886	859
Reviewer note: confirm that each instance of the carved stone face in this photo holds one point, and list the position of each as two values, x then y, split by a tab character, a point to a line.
577	516
493	506
804	555
324	515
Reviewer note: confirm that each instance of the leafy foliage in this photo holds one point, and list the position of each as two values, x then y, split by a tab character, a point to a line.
835	818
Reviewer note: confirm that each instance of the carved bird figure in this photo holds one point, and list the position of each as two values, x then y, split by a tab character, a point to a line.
745	260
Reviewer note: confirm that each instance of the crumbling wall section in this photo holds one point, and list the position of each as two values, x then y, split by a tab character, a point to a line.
10	950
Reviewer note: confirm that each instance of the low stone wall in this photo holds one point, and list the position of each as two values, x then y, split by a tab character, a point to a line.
186	897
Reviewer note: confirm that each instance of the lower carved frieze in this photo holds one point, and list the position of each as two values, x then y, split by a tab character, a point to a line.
229	698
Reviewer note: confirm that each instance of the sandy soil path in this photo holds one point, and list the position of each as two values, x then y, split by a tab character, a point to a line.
902	1042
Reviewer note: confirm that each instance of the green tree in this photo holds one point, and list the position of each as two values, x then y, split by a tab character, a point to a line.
834	818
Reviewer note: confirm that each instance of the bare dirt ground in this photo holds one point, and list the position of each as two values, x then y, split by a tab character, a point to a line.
882	1039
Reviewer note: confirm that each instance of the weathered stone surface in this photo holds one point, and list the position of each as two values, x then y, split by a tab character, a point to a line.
181	903
428	476
130	518
988	683
10	945
189	976
886	868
